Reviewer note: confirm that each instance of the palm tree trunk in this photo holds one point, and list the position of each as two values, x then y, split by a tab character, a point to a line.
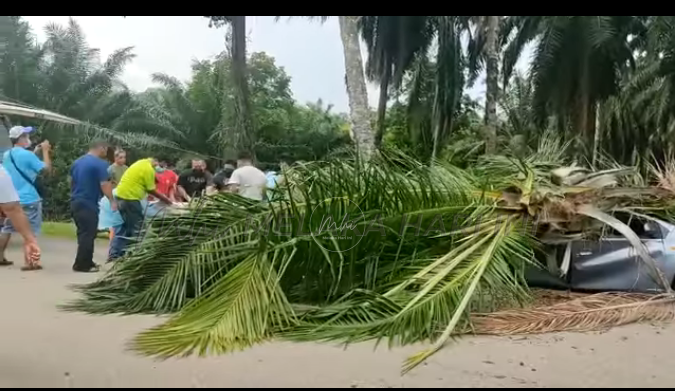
439	125
584	99
492	84
244	137
382	106
356	86
594	129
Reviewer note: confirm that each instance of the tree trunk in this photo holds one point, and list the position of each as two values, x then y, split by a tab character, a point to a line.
382	107
584	99
594	129
244	134
356	86
436	123
492	84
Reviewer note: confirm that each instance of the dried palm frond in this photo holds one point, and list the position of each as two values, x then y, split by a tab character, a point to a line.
590	313
665	174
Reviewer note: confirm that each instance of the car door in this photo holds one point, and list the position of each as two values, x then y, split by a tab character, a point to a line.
5	143
612	264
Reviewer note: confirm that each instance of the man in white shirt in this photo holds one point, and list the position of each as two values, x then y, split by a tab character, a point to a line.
247	180
10	208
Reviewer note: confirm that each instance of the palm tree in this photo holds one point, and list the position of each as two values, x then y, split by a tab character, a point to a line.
356	85
359	111
639	122
483	48
74	82
492	84
449	77
400	45
243	136
393	42
577	64
19	58
516	104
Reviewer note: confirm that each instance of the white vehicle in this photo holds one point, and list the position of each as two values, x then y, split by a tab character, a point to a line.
17	110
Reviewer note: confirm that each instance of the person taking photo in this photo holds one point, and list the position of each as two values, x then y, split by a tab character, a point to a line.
23	167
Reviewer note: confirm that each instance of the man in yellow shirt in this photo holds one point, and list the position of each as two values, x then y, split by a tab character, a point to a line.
137	182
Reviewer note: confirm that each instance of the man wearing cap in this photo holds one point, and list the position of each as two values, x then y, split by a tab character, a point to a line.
23	168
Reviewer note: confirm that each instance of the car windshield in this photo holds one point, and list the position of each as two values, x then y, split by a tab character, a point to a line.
644	228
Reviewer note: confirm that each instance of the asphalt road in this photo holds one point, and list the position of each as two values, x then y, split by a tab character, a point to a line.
42	347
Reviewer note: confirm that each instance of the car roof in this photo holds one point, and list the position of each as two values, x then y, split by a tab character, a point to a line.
20	110
25	111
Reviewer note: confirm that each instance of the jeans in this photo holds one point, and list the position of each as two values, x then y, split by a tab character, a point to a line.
86	220
132	214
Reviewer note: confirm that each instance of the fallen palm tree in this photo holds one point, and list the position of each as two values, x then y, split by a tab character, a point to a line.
385	250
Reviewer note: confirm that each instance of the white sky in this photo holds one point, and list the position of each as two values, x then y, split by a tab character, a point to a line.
310	52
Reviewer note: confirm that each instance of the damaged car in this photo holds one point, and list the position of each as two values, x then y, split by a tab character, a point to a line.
610	262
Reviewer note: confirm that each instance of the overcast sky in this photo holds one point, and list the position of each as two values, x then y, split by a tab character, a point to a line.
310	52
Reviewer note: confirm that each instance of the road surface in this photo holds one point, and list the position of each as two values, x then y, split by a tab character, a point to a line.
42	347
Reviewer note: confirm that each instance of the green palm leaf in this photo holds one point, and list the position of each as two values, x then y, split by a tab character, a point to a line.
242	309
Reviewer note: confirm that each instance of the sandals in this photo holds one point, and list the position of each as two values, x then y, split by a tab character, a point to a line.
30	268
93	269
26	268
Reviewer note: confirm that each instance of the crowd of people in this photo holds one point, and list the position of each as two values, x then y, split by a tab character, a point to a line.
113	197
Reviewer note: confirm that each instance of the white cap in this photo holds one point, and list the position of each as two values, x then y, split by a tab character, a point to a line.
18	131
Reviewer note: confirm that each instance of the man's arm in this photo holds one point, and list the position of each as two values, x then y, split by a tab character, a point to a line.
160	197
15	213
10	207
172	193
182	193
180	188
46	163
173	188
107	189
151	187
106	183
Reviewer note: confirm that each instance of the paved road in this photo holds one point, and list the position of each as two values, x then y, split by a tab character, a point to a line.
42	347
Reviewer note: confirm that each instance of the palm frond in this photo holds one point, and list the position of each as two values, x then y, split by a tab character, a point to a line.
590	313
242	309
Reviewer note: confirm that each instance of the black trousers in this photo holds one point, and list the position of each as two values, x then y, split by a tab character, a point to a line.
86	220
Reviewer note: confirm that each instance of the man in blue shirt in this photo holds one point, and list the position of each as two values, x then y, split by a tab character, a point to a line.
89	182
23	167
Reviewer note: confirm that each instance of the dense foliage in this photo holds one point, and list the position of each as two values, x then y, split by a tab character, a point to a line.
602	82
424	65
65	75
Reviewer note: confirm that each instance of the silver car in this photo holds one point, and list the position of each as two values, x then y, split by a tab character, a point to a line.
610	263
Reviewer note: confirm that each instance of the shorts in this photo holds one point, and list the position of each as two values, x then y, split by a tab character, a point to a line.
33	213
7	191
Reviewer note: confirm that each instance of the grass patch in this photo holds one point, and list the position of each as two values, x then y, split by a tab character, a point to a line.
62	230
